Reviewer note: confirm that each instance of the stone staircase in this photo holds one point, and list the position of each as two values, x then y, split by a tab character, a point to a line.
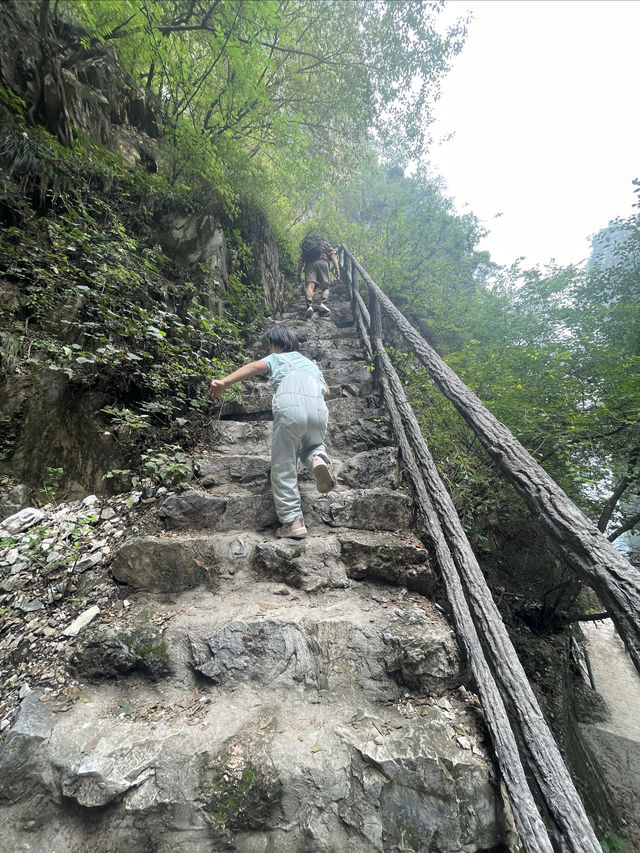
265	695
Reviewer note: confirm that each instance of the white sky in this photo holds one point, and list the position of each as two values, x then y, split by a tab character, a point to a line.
543	102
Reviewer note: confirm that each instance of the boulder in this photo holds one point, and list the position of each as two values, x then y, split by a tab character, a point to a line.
396	558
373	468
111	653
20	521
164	565
310	564
366	509
14	501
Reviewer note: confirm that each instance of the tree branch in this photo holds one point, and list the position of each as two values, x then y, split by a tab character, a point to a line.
619	490
592	617
609	507
629	524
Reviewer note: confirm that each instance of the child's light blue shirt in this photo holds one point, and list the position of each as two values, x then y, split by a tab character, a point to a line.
280	363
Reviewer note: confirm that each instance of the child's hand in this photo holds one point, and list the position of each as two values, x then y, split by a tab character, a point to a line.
216	388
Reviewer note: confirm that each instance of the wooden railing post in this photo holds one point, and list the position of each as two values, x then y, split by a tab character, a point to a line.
375	324
355	284
344	267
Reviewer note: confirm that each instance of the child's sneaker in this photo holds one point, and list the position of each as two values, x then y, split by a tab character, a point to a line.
292	529
324	480
324	309
309	312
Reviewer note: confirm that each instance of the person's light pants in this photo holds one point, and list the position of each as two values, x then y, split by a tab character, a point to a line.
299	426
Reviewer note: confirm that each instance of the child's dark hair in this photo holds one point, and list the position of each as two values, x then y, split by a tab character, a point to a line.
280	338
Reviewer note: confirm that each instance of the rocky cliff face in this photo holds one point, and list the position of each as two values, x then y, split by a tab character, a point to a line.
68	88
258	694
78	90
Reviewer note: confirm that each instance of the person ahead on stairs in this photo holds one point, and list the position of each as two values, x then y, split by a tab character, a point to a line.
315	256
299	423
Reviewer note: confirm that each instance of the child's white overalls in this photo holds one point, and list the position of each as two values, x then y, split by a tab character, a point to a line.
299	426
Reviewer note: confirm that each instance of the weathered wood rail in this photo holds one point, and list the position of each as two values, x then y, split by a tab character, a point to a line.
511	710
584	548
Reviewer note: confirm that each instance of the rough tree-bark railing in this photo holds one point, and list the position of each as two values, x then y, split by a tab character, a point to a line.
570	827
594	559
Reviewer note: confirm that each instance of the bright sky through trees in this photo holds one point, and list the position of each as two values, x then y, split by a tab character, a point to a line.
543	105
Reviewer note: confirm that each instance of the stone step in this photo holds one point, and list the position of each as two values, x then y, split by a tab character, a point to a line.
344	380
366	509
324	348
171	562
175	562
294	317
257	397
367	433
257	753
351	410
254	437
227	778
372	640
240	437
328	353
318	562
214	471
353	379
308	331
335	648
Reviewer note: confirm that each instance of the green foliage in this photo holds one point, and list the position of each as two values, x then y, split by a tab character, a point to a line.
557	358
81	268
168	464
51	482
273	100
554	355
405	232
612	843
83	298
16	105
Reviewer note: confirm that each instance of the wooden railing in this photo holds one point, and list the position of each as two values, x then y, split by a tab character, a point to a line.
516	724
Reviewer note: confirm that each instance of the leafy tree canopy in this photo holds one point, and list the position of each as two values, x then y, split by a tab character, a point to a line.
281	92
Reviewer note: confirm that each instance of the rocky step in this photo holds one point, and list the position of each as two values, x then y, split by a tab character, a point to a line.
148	768
370	641
308	331
257	396
324	348
172	562
366	509
353	379
254	437
341	317
328	353
372	468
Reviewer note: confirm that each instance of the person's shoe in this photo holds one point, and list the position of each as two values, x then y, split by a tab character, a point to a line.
309	312
292	529
324	309
324	480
